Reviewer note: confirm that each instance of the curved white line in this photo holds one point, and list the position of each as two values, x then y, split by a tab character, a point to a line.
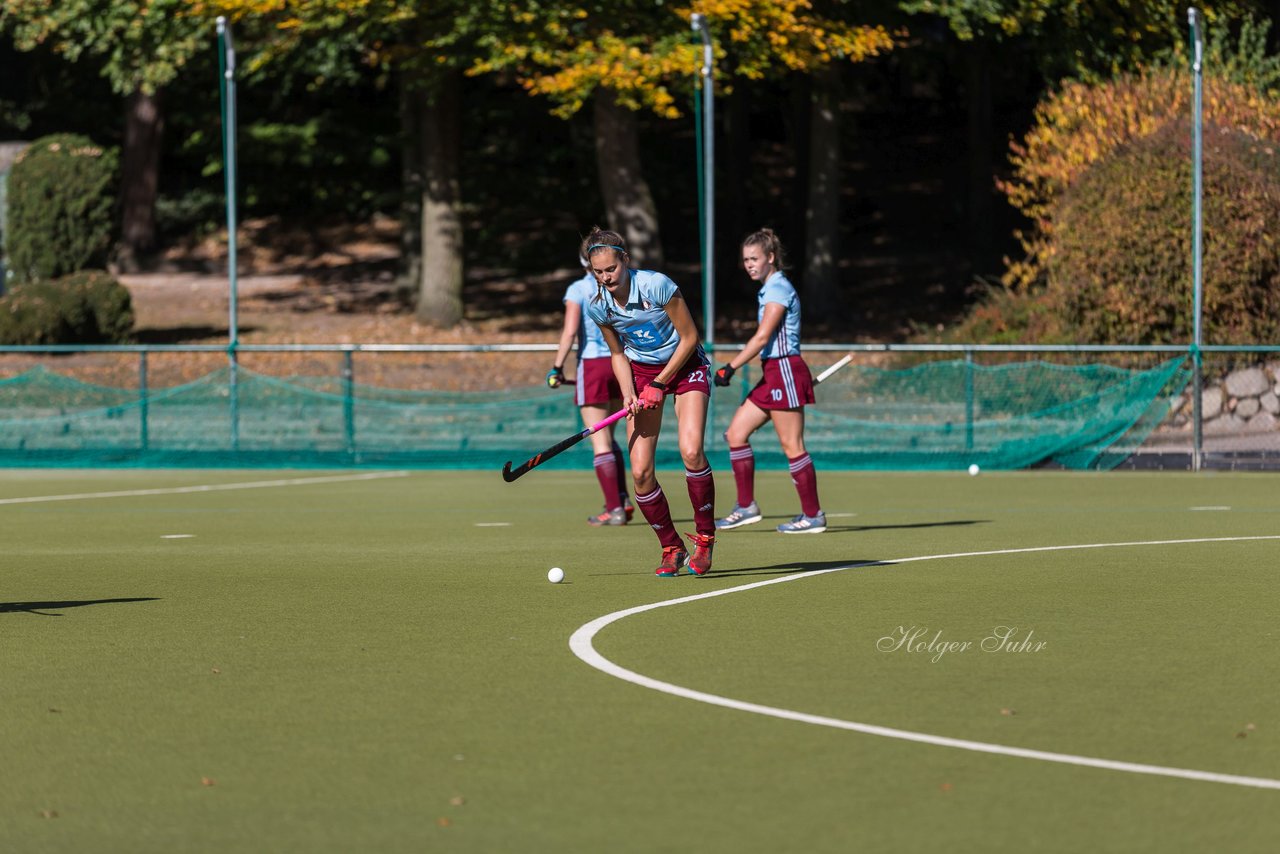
581	644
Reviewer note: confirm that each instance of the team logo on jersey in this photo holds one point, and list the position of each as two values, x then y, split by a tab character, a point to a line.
647	305
644	336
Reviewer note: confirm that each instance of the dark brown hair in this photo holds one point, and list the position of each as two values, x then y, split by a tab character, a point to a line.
599	240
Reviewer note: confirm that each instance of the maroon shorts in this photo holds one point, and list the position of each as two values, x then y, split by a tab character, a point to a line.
787	384
692	377
596	383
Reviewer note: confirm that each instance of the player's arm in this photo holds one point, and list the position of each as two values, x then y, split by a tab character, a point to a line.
678	310
572	319
774	312
621	367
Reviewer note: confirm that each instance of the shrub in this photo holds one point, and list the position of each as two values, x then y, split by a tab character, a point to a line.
89	307
1005	316
1121	270
1120	267
1082	126
1082	123
60	207
32	316
107	305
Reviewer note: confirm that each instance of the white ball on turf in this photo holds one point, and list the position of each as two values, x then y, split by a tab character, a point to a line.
973	469
555	575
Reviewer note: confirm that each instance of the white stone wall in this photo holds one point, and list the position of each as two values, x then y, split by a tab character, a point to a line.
1247	400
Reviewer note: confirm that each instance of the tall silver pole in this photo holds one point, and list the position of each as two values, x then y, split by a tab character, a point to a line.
227	63
1197	233
227	86
699	23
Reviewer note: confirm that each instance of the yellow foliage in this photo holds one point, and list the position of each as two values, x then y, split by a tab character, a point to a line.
565	52
642	62
1082	123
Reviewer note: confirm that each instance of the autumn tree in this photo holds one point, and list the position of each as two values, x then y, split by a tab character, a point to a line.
1103	176
426	49
1086	40
143	48
777	39
634	56
1081	123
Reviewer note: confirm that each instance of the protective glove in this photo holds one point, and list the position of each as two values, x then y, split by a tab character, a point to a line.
723	375
555	377
650	397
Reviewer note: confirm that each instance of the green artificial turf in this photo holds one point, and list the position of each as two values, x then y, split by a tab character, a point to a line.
380	664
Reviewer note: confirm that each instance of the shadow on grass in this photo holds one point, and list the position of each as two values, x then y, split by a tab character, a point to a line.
838	529
795	568
40	607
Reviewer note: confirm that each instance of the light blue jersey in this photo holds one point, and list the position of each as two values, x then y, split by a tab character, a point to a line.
591	343
786	340
648	335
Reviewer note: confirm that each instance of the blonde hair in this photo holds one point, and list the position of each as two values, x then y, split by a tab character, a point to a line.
770	243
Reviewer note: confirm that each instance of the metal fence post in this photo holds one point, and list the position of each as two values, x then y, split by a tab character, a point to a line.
143	435
968	401
233	384
348	400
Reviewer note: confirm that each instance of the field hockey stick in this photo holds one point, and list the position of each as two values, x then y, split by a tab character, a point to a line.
509	474
831	370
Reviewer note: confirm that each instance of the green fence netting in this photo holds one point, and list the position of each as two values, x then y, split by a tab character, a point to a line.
942	415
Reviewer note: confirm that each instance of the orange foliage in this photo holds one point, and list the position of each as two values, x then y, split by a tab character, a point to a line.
1081	124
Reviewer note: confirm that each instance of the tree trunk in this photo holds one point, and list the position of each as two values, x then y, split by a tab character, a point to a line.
440	293
140	177
411	129
981	178
822	223
737	204
628	203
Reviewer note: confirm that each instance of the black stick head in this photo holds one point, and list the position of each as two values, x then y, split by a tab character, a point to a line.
507	474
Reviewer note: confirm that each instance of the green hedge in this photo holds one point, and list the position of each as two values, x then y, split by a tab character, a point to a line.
89	307
61	207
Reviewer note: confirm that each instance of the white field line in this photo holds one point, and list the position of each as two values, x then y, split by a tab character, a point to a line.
208	487
581	644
